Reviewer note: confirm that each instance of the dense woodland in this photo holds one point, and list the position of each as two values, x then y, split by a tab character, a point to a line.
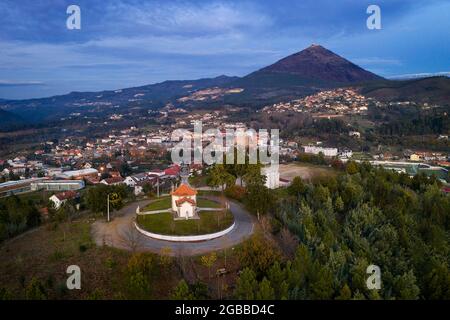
344	224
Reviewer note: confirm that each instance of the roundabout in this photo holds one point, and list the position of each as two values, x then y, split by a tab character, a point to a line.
209	220
122	233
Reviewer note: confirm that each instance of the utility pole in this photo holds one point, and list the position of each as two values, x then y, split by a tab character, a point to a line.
107	210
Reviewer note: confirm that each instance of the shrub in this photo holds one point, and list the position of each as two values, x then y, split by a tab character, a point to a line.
235	192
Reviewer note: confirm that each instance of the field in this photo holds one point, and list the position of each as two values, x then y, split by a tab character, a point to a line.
209	222
304	170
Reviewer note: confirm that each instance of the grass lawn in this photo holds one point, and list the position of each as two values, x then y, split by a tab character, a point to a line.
209	222
159	204
206	203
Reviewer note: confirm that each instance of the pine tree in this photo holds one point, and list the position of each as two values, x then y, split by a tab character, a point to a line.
182	292
265	290
246	286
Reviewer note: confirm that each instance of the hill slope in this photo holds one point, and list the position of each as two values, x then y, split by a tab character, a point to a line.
150	96
9	120
435	90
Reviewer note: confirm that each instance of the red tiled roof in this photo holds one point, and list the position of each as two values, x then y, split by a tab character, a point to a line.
66	195
184	190
183	200
172	171
113	180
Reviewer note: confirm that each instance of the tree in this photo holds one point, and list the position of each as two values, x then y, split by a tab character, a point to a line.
35	290
246	285
345	293
406	287
259	199
297	187
277	277
130	237
165	259
218	176
258	254
139	269
253	175
352	167
208	261
96	198
182	292
265	290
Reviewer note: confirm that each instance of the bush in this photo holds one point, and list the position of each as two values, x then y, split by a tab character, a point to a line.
235	192
35	290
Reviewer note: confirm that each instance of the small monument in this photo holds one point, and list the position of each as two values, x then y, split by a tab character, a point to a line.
184	198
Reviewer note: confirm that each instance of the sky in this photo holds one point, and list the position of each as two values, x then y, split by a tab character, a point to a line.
126	43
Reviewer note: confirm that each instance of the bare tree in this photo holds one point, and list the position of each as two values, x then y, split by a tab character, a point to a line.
130	237
265	224
289	242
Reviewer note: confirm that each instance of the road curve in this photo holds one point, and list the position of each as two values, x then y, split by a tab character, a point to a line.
120	233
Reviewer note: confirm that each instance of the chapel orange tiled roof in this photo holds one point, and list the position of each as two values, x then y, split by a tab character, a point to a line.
184	190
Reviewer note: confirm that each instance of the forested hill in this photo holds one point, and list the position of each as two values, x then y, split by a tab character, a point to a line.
343	224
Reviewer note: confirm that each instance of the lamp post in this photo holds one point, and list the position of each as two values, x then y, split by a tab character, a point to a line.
114	200
107	207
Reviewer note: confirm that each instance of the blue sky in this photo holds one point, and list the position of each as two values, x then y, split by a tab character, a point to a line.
124	43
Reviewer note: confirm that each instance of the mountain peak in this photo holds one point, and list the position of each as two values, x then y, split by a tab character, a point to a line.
318	64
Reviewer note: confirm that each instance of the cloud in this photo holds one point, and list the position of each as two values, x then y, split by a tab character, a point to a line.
12	83
421	75
189	18
377	61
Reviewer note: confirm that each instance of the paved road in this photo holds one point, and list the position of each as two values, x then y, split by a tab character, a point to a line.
120	233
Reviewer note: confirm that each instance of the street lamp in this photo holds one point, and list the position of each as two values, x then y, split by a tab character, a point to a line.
107	210
114	199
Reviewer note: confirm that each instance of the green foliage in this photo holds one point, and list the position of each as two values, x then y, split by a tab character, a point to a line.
246	286
182	292
235	192
16	216
345	293
297	187
265	290
367	216
35	290
258	254
139	271
218	176
96	197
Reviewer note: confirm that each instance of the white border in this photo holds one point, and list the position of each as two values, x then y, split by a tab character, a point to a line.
202	237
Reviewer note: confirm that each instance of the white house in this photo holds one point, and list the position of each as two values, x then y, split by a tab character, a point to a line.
60	198
133	180
328	152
